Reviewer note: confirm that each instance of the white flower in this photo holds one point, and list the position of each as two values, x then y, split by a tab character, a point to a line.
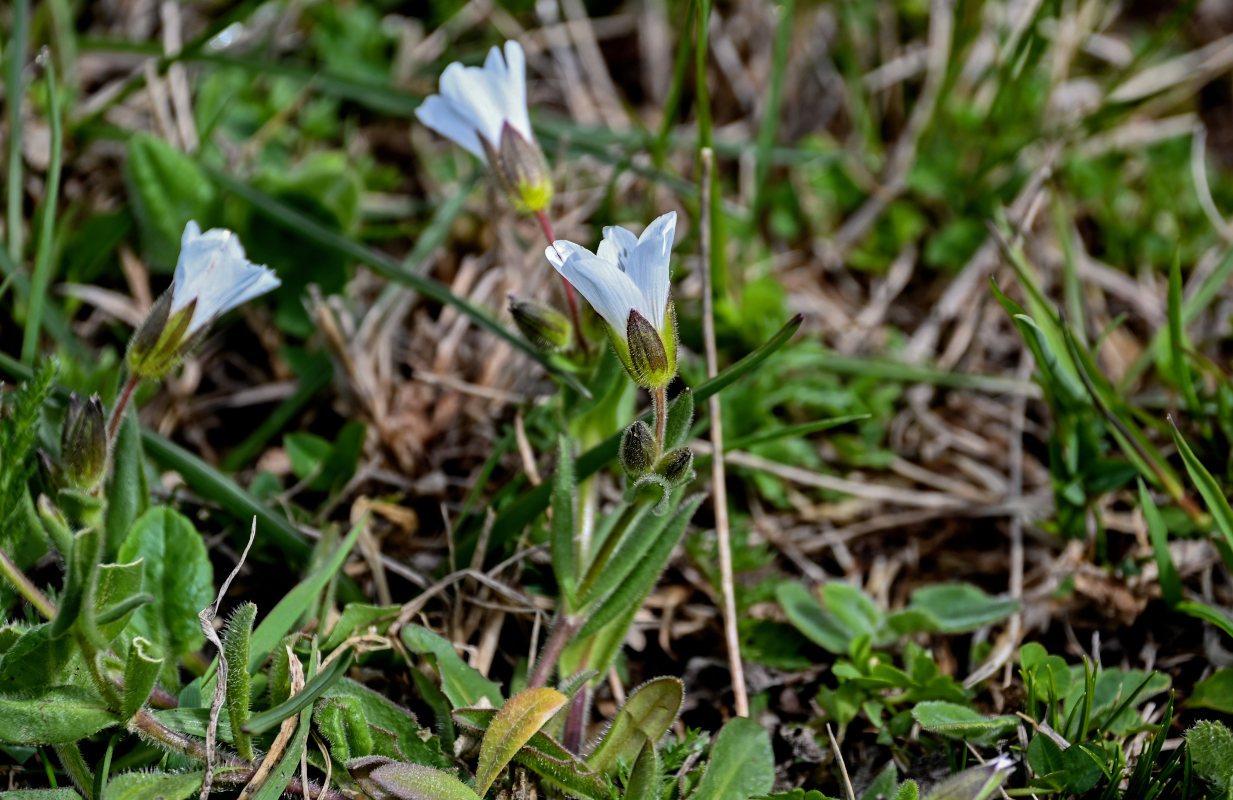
213	271
626	281
212	277
626	273
477	102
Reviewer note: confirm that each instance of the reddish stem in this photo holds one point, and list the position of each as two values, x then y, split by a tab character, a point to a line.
121	405
570	295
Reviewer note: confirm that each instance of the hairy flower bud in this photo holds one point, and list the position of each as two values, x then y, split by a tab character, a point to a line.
547	329
521	169
158	345
651	359
677	466
637	449
83	444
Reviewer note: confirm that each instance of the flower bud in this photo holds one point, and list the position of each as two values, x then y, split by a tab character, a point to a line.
677	466
521	170
162	340
546	328
83	444
650	361
637	449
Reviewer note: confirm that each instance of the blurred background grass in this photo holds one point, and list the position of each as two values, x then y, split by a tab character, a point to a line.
876	160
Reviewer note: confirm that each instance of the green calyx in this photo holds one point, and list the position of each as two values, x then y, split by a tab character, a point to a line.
648	357
83	444
162	341
548	330
521	169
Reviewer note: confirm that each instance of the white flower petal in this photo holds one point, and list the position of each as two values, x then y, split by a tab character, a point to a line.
213	271
609	290
477	102
648	264
437	113
616	245
560	250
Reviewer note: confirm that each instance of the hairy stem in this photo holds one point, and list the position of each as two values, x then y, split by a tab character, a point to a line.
659	401
26	587
144	724
570	295
121	405
562	632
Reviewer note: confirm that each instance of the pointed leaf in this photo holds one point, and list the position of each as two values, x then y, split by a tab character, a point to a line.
741	766
563	558
462	683
644	776
1170	581
647	715
513	726
417	782
140	673
154	785
1213	495
58	715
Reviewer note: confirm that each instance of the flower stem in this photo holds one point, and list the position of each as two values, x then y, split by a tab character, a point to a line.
659	401
28	590
147	726
121	405
562	632
570	295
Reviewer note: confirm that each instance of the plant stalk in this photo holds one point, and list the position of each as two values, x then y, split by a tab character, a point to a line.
117	415
144	724
27	589
562	632
659	401
570	295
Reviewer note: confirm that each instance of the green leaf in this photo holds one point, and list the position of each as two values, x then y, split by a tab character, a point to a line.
392	729
645	574
531	504
645	775
58	715
178	573
807	615
416	782
283	617
1084	767
959	607
974	783
462	684
154	785
1211	750
236	646
515	723
40	794
1215	693
118	586
646	716
167	189
956	721
127	493
1170	581
741	766
563	558
314	688
357	617
1213	495
1178	363
680	418
140	673
81	581
544	756
211	484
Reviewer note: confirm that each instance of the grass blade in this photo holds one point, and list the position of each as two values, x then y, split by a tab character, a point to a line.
14	90
42	261
1213	496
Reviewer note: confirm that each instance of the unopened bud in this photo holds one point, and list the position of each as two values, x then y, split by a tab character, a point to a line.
637	449
521	170
547	329
677	466
652	361
83	444
162	341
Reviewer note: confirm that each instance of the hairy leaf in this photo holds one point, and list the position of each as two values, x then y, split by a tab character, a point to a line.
515	723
